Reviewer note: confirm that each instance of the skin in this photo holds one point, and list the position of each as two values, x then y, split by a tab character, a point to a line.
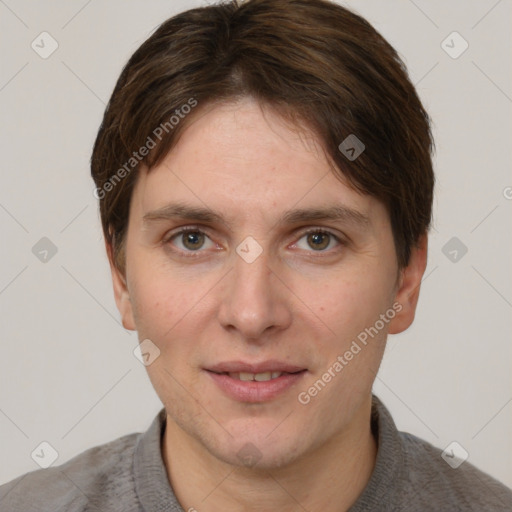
294	303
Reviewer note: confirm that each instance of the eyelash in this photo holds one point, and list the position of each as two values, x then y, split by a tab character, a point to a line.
194	229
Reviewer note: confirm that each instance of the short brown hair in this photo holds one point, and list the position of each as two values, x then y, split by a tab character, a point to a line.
313	60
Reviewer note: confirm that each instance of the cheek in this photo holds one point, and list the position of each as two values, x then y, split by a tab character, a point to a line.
150	308
346	306
169	310
158	295
158	307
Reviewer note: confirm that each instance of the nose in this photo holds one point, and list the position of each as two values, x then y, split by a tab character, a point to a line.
255	302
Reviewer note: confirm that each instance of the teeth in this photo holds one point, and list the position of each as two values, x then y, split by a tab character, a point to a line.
259	377
262	377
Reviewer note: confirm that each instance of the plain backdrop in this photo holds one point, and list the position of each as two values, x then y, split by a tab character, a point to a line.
68	375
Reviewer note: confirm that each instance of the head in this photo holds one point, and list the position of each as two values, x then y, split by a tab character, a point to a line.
287	139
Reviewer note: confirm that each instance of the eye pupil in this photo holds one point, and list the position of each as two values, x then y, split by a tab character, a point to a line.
195	239
317	239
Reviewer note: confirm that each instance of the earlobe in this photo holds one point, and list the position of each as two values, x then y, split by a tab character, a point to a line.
121	293
409	287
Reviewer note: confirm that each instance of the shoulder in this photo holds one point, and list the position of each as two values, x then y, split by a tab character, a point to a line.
432	479
86	482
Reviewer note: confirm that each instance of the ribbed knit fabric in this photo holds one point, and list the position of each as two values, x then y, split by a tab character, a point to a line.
129	475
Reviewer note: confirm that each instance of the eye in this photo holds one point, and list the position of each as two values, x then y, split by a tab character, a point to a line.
189	240
319	240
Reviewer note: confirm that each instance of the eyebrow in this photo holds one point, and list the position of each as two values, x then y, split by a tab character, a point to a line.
204	214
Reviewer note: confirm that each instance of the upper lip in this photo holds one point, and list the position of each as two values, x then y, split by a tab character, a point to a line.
264	366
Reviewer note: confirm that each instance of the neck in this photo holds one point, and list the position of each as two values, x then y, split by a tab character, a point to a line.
330	478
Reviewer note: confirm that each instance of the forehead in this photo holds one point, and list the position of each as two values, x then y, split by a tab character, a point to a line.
244	159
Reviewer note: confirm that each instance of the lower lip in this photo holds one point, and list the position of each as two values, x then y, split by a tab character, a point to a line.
254	391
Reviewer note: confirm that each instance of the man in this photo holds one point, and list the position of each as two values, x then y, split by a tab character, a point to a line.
265	184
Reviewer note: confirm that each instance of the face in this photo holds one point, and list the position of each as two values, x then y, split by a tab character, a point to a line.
258	303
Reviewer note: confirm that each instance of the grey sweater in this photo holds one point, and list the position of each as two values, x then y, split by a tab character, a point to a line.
128	475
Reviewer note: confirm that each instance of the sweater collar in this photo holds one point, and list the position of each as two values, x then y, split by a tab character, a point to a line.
151	482
384	484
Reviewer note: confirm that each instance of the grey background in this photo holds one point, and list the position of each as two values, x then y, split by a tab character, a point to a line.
68	375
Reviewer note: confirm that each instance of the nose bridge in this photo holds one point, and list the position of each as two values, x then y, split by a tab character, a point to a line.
252	303
251	270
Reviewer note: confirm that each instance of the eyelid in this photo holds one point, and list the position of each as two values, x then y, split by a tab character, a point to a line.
183	229
325	231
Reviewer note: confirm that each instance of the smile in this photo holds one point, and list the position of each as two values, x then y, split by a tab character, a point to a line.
259	377
238	382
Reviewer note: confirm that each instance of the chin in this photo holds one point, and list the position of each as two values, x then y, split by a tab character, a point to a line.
258	445
256	458
249	439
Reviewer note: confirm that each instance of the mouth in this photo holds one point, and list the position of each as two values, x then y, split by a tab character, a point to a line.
257	377
252	383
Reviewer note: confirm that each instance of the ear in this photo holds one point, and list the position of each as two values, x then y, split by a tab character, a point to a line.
121	293
409	287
